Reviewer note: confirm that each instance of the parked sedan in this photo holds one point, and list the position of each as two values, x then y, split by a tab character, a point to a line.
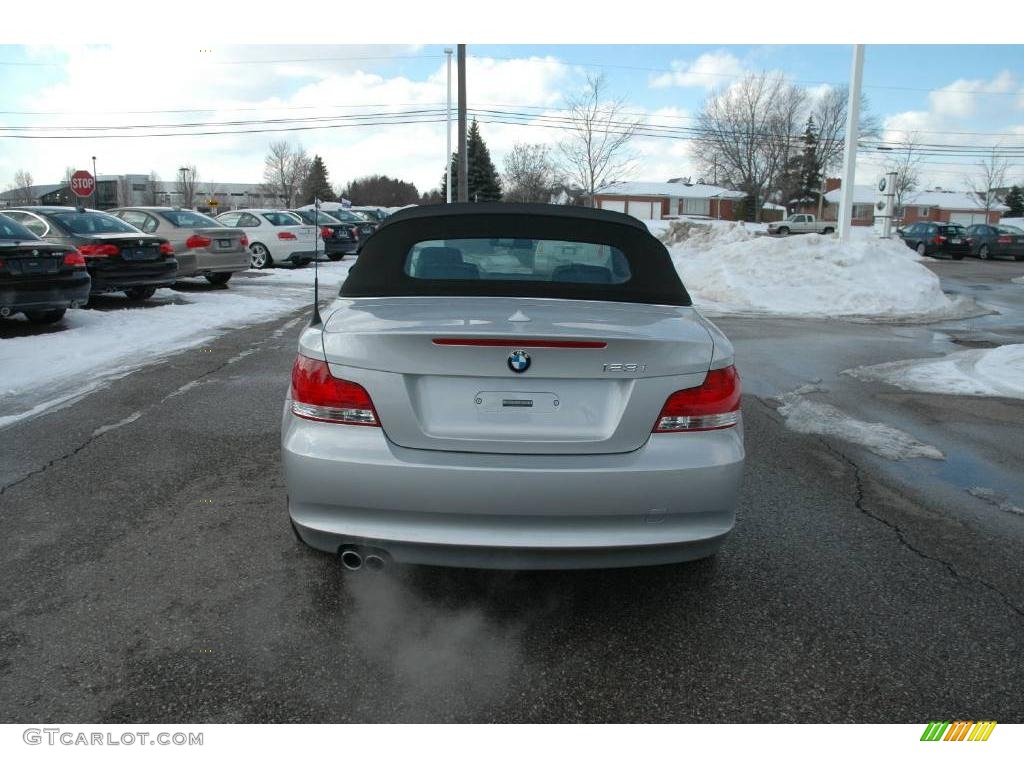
366	225
989	242
931	238
274	236
38	278
203	246
513	386
339	238
118	256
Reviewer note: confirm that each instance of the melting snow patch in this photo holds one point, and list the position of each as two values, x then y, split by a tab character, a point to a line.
996	499
995	372
116	425
728	269
812	418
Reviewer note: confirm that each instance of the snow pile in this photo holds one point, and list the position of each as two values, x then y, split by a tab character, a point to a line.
812	418
1013	222
728	269
42	369
995	372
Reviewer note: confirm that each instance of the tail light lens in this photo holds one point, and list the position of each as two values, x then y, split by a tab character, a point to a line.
286	236
243	241
106	249
318	396
166	249
198	241
938	240
326	233
1005	239
355	233
74	259
715	404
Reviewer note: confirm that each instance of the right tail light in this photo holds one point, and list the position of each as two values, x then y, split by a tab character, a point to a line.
715	404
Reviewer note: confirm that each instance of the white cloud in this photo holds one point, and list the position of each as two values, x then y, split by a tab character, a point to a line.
961	97
708	71
111	78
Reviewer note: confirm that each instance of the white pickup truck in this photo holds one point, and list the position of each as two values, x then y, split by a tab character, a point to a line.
801	224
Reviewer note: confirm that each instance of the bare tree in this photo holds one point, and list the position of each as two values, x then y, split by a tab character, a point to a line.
124	191
23	187
830	112
747	132
597	149
188	178
986	181
284	169
905	162
153	196
530	174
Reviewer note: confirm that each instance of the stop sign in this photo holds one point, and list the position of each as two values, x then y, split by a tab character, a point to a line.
82	183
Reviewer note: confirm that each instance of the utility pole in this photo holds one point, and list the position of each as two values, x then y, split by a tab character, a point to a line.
95	184
463	160
448	134
850	155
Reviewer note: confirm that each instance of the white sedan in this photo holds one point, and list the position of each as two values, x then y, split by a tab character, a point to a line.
275	236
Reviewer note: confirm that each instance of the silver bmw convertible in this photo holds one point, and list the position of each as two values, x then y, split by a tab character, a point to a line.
513	386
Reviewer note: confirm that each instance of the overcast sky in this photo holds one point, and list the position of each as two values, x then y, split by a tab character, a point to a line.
949	94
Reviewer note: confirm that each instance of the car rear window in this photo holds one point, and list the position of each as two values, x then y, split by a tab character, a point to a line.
12	230
189	219
954	230
512	250
319	218
494	259
89	223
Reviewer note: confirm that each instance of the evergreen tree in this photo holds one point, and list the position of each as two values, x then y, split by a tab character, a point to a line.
1015	201
810	165
484	183
316	184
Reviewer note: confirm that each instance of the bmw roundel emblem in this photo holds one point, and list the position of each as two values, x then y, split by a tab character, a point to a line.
519	361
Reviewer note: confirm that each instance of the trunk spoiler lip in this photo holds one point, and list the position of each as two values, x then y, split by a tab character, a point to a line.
474	341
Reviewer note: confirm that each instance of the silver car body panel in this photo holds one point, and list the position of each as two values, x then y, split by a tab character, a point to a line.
453	478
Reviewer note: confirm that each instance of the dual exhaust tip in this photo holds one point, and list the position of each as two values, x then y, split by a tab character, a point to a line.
354	558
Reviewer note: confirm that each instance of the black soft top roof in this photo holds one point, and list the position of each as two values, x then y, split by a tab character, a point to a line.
513	209
380	269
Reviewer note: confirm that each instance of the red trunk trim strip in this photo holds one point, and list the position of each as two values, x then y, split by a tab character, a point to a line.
550	343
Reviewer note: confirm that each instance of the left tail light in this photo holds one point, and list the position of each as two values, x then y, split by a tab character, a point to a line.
198	241
715	404
74	259
318	396
286	236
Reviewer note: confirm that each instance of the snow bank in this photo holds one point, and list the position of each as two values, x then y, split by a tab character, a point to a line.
729	270
995	372
90	347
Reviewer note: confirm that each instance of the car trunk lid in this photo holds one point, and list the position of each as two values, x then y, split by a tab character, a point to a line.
514	375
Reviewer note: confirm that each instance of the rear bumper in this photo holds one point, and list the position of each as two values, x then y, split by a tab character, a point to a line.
199	263
56	292
118	277
671	500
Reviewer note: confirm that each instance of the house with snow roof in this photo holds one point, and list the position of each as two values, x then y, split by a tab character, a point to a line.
662	200
937	204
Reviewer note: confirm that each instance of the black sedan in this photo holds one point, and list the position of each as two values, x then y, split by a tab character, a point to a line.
119	256
339	238
990	242
929	238
38	278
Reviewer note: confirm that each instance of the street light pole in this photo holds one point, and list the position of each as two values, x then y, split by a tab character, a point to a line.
850	154
95	183
463	160
448	134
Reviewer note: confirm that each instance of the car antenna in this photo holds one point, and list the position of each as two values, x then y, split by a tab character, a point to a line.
316	319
